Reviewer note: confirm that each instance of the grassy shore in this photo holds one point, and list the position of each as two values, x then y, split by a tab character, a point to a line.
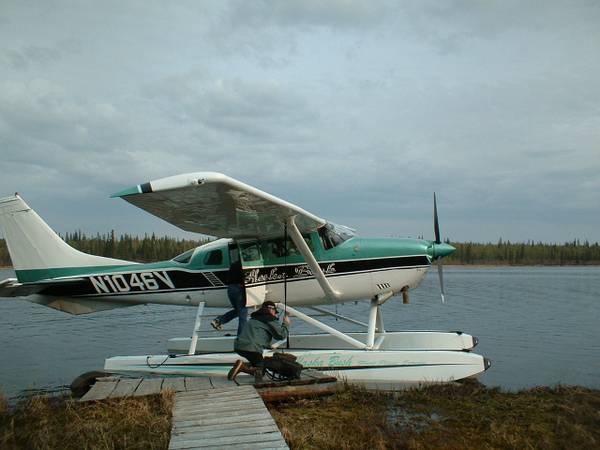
51	423
465	416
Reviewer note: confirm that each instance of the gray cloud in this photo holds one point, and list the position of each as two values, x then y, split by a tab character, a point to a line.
356	111
334	14
259	111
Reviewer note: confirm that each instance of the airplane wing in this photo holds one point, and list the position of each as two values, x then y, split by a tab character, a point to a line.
217	205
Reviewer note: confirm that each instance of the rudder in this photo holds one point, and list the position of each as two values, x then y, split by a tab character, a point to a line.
33	245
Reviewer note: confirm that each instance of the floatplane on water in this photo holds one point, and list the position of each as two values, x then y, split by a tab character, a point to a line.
289	256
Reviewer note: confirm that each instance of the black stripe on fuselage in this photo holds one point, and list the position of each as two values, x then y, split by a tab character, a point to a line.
296	272
172	280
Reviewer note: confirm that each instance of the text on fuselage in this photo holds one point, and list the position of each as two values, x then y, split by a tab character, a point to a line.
127	282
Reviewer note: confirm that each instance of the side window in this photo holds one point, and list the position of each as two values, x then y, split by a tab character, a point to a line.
214	258
251	252
184	258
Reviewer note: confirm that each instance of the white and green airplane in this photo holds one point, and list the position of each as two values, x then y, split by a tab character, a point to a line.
289	256
318	263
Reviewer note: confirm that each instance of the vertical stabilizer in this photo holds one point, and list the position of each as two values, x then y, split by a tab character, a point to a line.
33	245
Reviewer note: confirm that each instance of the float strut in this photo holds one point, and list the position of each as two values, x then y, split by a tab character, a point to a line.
199	311
373	313
350	340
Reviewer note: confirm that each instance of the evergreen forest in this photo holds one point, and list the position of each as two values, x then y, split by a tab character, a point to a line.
153	248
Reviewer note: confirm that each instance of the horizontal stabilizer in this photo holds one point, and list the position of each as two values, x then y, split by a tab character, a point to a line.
11	287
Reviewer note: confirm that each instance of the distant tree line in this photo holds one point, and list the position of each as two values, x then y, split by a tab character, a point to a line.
525	253
153	248
125	246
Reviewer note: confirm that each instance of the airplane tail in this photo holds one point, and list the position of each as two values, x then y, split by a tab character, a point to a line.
36	251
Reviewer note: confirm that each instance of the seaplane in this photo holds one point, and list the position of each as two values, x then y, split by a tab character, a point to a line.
289	256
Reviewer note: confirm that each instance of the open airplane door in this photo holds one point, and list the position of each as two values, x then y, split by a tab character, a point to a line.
251	256
256	295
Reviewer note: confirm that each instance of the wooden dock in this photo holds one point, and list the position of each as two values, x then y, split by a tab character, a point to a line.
114	387
213	412
227	417
311	383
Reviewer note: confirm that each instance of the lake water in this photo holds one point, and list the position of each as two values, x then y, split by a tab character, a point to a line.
538	325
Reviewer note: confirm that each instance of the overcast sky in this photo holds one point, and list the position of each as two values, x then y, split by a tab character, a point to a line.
357	111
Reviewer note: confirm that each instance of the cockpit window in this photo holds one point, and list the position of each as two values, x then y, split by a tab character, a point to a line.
251	251
185	257
214	258
276	248
333	235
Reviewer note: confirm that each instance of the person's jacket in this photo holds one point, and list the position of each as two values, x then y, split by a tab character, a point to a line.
259	331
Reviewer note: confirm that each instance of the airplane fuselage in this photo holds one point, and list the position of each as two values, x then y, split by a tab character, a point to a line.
358	268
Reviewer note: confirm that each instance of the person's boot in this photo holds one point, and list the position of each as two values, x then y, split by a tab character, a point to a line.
236	369
258	374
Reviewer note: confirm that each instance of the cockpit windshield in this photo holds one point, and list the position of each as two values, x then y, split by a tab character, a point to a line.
333	235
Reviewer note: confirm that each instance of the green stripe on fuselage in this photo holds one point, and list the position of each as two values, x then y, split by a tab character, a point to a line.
35	275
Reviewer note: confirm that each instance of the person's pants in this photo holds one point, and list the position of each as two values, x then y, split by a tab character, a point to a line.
237	298
254	358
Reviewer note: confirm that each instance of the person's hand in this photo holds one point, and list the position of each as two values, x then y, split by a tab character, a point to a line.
286	319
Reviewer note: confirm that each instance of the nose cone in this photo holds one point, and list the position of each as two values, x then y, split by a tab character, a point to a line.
437	251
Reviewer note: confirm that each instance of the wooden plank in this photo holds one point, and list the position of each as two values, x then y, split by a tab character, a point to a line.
175	383
219	426
266	438
210	433
221	381
125	387
223	398
219	391
219	398
309	390
149	386
229	388
202	406
197	383
258	446
233	420
204	410
100	390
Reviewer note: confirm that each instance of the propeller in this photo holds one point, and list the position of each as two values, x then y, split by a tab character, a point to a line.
438	241
436	224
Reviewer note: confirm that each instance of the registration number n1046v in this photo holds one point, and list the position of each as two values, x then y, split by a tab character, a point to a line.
136	281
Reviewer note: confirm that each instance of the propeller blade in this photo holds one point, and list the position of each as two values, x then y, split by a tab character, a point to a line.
436	225
441	276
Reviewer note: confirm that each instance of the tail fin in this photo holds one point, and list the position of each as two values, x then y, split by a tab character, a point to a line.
35	248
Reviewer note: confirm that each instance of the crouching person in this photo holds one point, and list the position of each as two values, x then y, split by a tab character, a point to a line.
256	336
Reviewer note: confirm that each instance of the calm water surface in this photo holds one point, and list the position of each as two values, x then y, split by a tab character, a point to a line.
538	325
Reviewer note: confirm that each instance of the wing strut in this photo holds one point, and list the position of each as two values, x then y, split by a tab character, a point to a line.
296	236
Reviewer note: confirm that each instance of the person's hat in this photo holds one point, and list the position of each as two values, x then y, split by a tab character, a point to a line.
269	305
